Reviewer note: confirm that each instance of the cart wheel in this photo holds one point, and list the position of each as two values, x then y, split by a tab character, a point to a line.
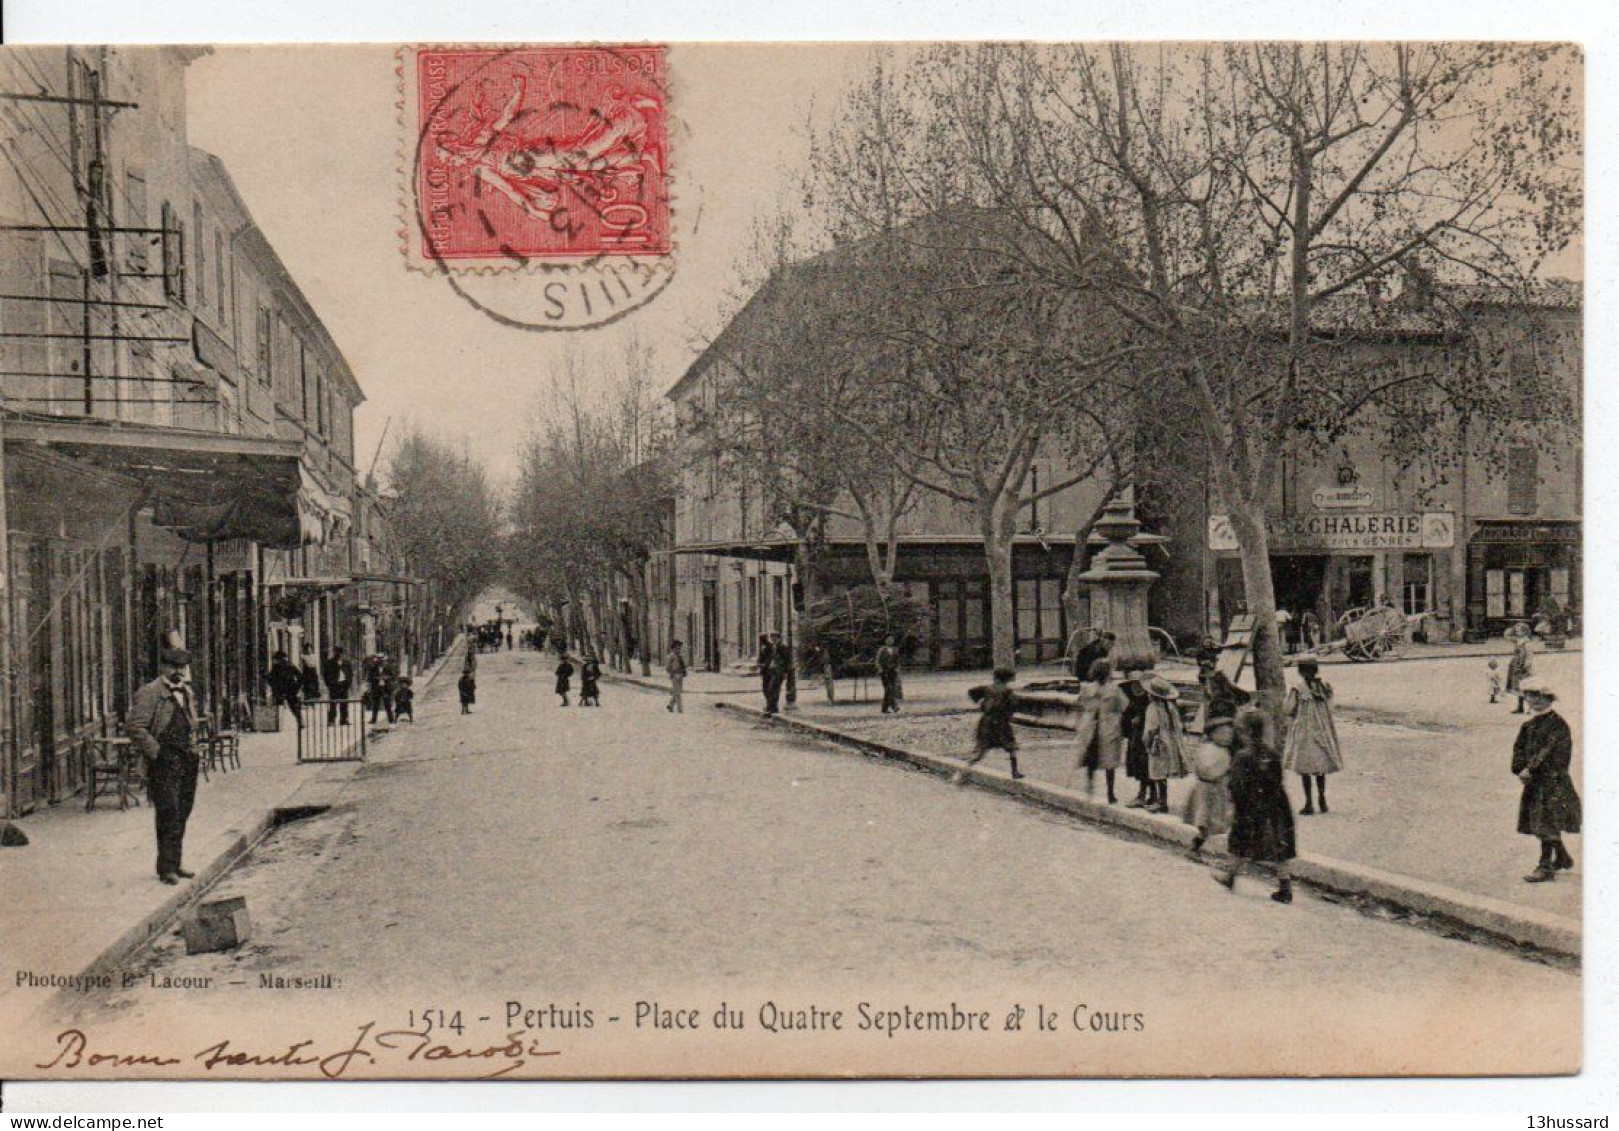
1358	651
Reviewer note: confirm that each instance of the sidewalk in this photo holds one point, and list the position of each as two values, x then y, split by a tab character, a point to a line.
1424	812
81	896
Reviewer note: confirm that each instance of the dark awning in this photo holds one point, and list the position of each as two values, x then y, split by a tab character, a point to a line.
204	486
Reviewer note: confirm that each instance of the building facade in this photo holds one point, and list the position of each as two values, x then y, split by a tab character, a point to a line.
177	427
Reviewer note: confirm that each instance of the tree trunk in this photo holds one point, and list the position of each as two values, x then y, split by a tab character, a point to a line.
640	593
999	522
1253	546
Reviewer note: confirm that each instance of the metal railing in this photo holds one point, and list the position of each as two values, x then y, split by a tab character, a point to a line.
333	730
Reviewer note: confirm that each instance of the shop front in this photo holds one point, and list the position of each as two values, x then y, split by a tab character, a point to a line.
1325	564
1521	571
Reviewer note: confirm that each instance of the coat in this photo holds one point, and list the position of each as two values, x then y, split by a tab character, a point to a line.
1165	740
1208	805
996	703
468	686
309	676
1312	740
284	679
338	675
150	714
1549	806
1098	725
1135	717
1262	815
1520	666
675	665
564	675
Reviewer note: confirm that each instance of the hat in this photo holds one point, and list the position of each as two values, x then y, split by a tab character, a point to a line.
1135	675
1217	721
1160	688
1536	687
174	657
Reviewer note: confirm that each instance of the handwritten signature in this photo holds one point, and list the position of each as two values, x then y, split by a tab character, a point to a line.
370	1049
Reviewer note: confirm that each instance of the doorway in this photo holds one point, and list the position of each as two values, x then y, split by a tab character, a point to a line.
961	623
711	626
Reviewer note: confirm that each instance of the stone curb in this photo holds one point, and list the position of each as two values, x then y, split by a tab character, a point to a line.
316	794
1501	921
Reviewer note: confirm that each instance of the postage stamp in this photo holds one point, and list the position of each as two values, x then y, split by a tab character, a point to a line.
540	160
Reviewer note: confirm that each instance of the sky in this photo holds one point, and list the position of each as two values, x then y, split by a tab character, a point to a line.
315	141
311	137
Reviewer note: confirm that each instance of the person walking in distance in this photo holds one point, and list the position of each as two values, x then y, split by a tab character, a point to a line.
467	685
1549	806
1522	664
1135	747
888	673
1262	834
162	722
1311	750
338	675
675	665
309	674
564	678
767	675
286	686
590	677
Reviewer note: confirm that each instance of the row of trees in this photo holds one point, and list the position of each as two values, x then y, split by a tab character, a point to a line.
447	518
1101	254
593	502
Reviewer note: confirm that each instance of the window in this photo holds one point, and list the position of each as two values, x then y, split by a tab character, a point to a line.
136	244
263	353
1523	480
1522	372
201	240
1495	593
221	292
1557	582
1417	594
174	255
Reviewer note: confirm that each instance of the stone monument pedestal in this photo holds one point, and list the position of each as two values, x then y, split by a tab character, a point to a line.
1119	579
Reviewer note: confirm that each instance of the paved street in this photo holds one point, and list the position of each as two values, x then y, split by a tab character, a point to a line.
594	858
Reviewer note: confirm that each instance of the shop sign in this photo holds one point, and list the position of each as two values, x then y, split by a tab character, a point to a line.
1528	532
1432	530
1342	498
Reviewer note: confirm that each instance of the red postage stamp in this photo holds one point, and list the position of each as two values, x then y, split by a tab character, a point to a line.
527	155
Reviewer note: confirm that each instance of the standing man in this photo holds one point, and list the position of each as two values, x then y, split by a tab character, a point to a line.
888	672
779	662
338	674
675	665
286	685
161	723
765	670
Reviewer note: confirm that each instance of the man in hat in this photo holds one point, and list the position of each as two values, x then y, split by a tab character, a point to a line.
338	674
162	720
286	686
1550	806
888	673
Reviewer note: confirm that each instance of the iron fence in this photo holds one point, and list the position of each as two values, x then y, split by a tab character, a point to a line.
331	730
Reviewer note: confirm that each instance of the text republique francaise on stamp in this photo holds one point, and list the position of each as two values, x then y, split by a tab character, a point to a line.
539	178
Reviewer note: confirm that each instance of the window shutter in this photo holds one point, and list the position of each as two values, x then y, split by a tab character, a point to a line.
1523	480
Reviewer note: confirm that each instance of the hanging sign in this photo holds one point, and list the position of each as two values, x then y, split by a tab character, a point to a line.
1342	498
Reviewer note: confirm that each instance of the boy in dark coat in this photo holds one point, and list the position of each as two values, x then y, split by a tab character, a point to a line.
1540	758
468	686
996	703
564	678
404	699
590	674
1262	833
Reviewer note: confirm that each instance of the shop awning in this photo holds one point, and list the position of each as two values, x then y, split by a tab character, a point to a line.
204	486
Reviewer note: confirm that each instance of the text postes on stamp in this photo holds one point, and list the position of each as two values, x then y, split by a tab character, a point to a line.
541	153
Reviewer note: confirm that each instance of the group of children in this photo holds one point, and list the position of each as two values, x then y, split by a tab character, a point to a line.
590	674
1238	767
